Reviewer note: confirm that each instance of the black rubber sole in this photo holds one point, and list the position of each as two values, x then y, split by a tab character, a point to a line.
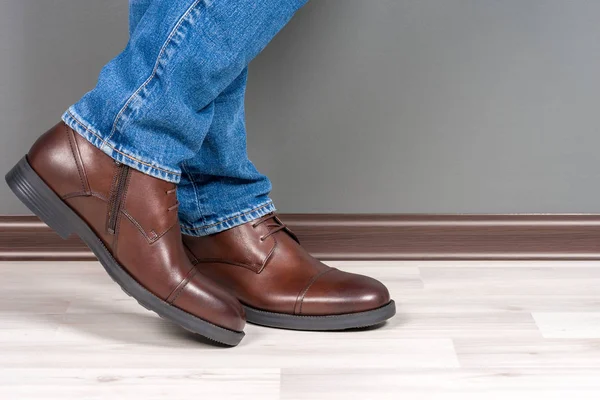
321	323
43	202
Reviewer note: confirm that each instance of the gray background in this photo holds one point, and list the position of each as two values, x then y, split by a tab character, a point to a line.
476	106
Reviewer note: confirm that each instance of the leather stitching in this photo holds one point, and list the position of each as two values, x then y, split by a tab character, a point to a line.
179	289
84	194
221	261
141	229
268	257
72	147
256	268
86	182
300	299
195	260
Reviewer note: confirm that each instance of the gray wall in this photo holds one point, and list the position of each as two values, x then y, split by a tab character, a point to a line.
367	106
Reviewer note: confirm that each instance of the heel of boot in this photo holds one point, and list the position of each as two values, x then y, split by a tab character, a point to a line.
38	197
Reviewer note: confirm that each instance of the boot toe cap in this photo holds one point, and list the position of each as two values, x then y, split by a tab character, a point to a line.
336	292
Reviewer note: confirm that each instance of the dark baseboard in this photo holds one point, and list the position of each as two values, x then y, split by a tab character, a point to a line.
375	237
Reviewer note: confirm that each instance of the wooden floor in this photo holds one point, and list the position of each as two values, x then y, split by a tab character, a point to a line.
468	330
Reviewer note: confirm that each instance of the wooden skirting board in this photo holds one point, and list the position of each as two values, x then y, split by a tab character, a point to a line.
375	237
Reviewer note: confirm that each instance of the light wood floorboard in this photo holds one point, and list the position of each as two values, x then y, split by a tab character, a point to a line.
468	330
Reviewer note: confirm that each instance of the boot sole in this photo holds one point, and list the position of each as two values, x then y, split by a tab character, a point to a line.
27	185
321	322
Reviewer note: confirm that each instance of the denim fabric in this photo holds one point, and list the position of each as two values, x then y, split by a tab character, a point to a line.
220	188
172	103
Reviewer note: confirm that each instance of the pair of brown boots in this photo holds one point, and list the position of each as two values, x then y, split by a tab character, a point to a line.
209	285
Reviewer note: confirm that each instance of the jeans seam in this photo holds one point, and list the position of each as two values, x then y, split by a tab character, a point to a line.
84	126
154	73
230	218
198	208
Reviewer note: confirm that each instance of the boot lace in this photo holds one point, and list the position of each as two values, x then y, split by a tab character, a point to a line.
272	222
176	205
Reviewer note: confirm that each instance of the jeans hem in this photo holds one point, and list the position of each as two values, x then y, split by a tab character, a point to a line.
230	221
118	153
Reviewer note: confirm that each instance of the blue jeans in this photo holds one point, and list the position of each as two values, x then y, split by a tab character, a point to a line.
171	104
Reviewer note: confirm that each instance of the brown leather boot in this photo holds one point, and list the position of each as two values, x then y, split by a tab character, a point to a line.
129	220
283	286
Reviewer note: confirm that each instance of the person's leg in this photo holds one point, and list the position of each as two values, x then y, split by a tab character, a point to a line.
220	188
137	9
221	166
150	110
154	103
234	237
